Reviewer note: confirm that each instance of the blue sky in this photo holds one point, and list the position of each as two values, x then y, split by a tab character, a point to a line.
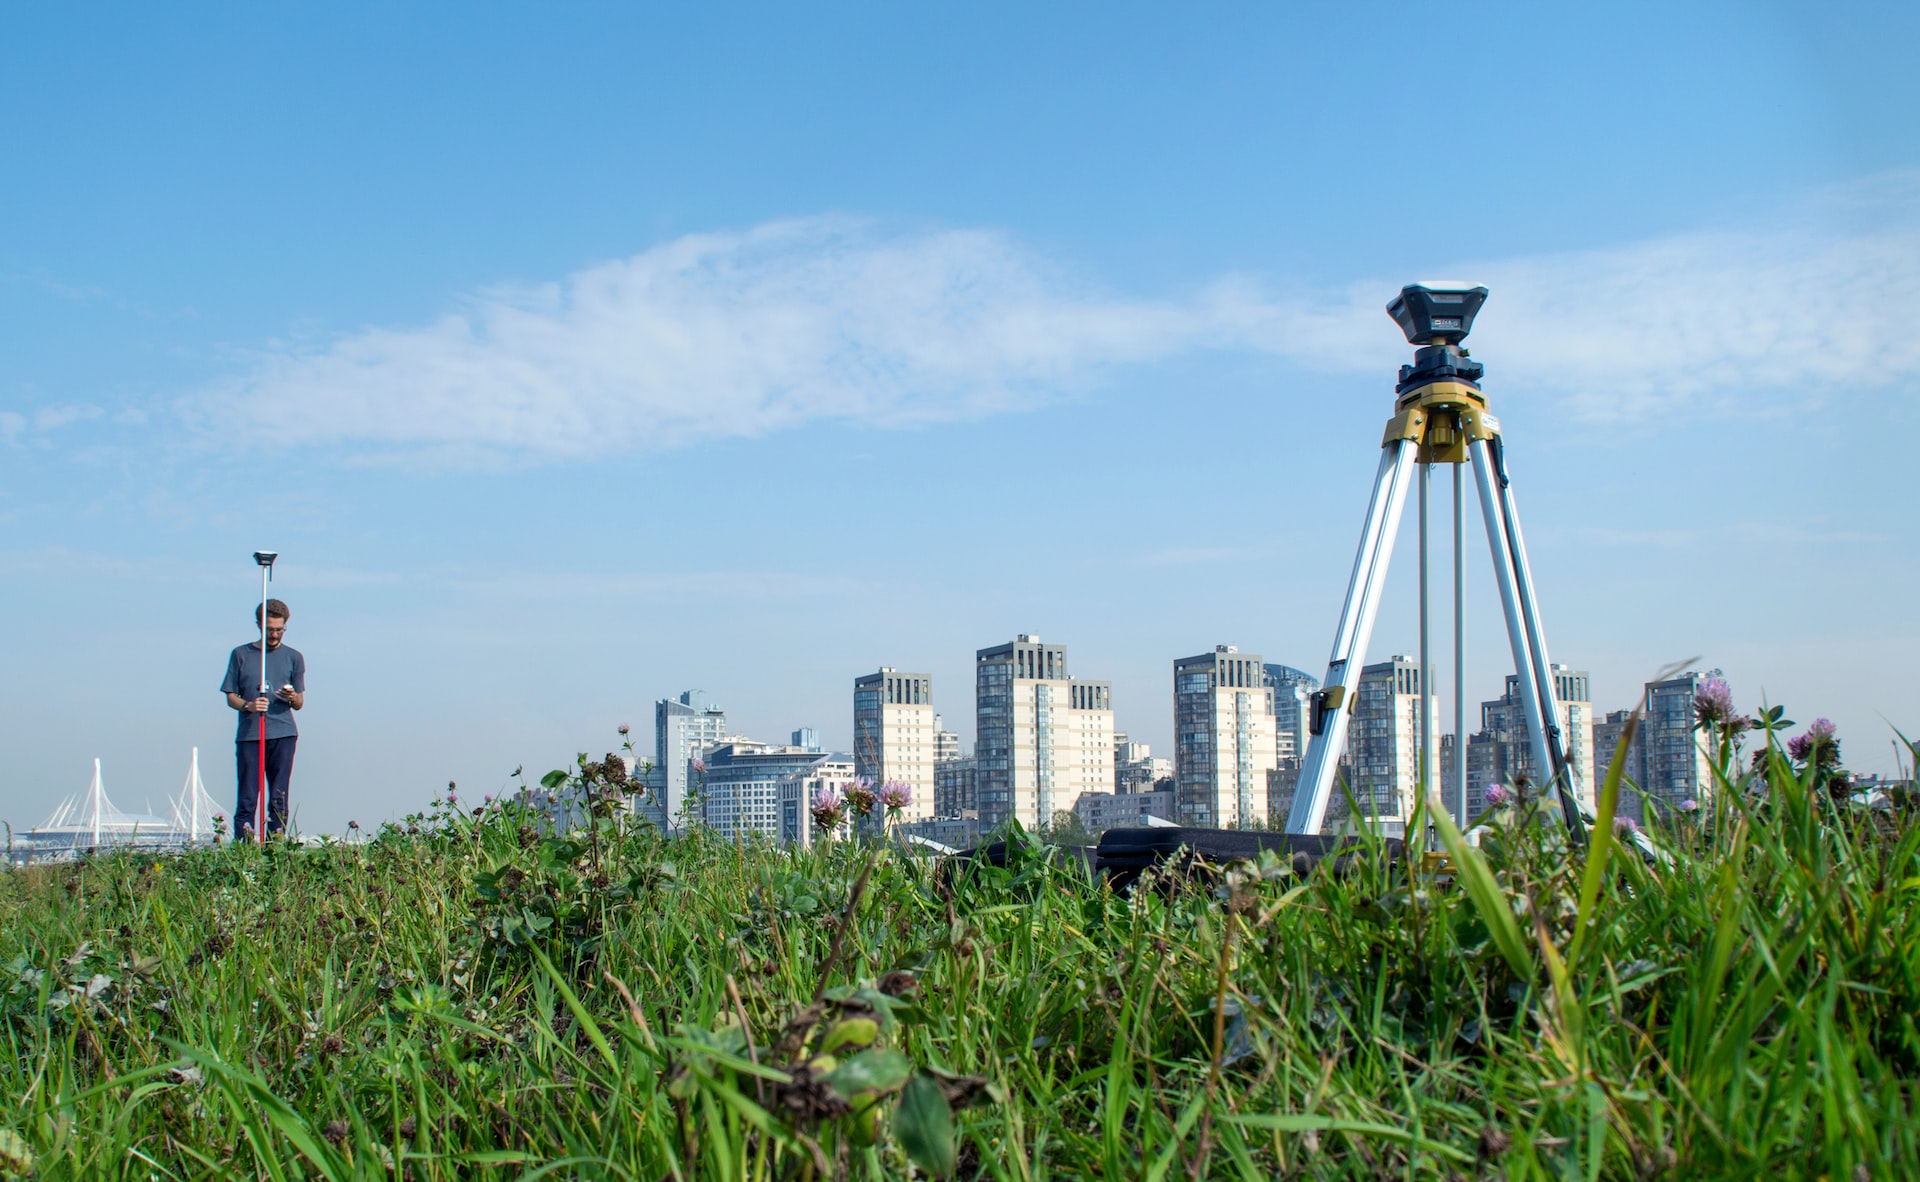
576	358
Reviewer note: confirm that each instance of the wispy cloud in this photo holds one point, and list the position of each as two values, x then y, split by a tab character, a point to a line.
18	429
742	334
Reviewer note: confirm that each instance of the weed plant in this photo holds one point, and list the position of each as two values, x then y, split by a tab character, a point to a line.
470	995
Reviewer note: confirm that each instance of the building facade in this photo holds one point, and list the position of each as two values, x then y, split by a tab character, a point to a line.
1676	758
946	743
794	793
683	730
1607	735
740	793
1383	741
1224	742
1502	751
895	734
1671	760
1100	811
1042	737
956	788
1135	767
1292	708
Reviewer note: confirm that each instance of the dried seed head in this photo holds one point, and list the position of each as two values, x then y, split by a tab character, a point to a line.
1494	1142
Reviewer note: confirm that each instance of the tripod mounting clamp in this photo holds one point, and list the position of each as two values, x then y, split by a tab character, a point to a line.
1443	421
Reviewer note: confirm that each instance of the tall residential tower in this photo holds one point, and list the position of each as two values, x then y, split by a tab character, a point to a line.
1043	738
683	731
1224	738
896	734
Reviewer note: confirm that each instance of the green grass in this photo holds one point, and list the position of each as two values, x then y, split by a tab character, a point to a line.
448	1004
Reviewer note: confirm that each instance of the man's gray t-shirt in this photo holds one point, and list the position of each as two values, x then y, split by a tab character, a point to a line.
285	666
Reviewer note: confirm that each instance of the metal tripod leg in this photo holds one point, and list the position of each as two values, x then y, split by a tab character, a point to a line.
1567	778
1333	705
1524	633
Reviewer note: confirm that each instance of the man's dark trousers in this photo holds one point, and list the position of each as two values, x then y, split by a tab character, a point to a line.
246	757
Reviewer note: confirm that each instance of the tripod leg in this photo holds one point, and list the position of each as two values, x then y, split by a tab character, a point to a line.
1333	705
1566	774
1459	648
1543	729
1424	777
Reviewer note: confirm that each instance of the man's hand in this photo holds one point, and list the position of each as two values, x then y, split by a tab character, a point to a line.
290	696
258	705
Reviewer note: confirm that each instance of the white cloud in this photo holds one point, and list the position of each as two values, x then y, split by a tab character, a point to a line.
741	334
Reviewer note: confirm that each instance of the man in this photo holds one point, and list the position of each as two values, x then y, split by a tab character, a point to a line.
287	674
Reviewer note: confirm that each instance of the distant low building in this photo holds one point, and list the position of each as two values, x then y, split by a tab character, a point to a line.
1099	811
957	833
740	792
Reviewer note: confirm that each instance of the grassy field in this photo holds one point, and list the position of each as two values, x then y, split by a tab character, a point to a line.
465	997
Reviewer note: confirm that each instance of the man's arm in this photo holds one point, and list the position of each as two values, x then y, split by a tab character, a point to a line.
256	706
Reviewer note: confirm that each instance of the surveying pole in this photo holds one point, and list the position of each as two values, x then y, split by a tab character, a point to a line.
265	559
1440	417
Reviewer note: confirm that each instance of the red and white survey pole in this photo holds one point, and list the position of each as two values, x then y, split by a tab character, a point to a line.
265	559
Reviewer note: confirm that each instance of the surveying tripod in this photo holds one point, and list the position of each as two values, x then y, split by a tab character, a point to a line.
1440	417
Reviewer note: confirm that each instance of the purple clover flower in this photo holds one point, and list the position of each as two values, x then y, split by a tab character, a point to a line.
699	765
1688	806
1712	702
896	795
859	796
829	807
1800	746
1499	796
1821	730
1625	826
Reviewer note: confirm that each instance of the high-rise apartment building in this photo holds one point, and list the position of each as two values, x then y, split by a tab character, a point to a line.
1136	768
1607	734
894	734
683	731
1223	736
1676	758
1292	707
946	743
956	788
1383	740
1671	761
1042	738
1502	751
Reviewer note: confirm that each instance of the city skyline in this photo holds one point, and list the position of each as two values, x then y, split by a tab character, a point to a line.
1218	731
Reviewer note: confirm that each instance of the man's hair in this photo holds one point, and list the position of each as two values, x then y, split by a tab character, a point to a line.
276	609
